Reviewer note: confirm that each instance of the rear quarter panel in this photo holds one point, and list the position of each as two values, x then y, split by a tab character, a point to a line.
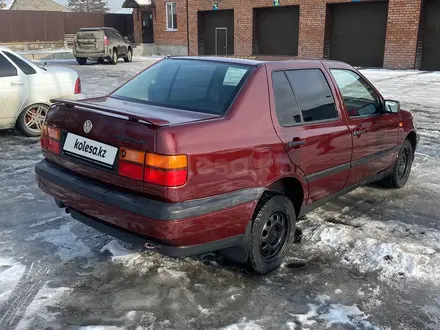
240	150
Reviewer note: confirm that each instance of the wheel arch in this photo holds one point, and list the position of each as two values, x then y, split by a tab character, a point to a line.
412	137
292	188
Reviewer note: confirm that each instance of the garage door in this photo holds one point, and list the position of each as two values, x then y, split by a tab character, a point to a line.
358	32
216	32
431	36
276	31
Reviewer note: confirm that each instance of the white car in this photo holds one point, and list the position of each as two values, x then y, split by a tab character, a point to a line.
26	90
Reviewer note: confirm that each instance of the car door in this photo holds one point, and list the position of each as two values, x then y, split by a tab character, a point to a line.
123	44
14	90
312	129
374	132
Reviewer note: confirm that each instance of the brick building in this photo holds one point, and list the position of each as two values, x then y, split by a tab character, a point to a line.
390	34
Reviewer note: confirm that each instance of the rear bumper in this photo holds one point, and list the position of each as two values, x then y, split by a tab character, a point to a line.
217	222
94	55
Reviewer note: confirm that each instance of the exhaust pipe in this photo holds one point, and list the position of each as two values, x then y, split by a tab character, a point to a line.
150	246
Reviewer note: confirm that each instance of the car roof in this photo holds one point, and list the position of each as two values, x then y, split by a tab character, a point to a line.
96	29
252	60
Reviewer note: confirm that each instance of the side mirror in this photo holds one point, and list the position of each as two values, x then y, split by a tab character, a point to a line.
126	38
392	106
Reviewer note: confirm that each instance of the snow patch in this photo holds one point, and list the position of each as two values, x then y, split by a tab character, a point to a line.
10	273
44	222
332	314
42	308
100	327
346	315
67	243
243	325
116	249
306	319
395	250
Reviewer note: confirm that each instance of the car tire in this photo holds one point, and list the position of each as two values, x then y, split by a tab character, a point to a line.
31	119
82	60
114	58
402	167
100	61
129	57
272	233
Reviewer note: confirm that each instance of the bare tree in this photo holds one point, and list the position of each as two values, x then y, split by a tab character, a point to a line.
88	6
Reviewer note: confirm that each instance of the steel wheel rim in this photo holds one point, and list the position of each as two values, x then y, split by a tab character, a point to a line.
274	235
34	118
402	165
130	56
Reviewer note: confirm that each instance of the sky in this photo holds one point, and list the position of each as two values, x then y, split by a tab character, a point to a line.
114	5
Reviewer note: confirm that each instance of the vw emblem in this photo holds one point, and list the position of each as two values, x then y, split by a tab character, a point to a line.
87	126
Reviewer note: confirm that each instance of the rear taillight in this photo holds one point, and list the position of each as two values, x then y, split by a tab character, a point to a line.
77	86
106	41
50	139
131	164
169	171
163	170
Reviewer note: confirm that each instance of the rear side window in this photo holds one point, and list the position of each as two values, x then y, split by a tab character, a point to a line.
313	93
286	107
202	86
6	68
111	35
26	68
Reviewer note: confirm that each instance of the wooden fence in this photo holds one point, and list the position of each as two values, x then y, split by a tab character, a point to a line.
33	26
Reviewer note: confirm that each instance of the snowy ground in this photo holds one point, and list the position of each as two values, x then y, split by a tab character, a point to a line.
369	260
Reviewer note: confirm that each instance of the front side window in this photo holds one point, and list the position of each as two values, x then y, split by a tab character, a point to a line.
359	98
313	93
202	86
26	68
171	16
6	68
286	107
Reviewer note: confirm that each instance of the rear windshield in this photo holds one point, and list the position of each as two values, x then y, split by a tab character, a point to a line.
202	86
93	34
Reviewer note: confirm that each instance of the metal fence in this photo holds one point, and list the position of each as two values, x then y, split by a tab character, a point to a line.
32	26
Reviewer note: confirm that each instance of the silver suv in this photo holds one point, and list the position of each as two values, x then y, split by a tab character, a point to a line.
99	44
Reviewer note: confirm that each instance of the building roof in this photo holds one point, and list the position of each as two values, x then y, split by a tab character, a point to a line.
137	3
39	5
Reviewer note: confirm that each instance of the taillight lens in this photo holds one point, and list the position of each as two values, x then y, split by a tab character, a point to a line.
106	41
163	170
131	163
77	86
50	139
132	171
167	178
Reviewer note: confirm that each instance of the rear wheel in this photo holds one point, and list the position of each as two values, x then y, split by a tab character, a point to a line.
114	58
129	57
272	233
81	60
31	120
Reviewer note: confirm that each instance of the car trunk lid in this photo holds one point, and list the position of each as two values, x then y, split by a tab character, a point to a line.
96	132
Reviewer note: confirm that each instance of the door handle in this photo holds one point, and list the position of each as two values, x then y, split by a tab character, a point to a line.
17	83
359	133
296	143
